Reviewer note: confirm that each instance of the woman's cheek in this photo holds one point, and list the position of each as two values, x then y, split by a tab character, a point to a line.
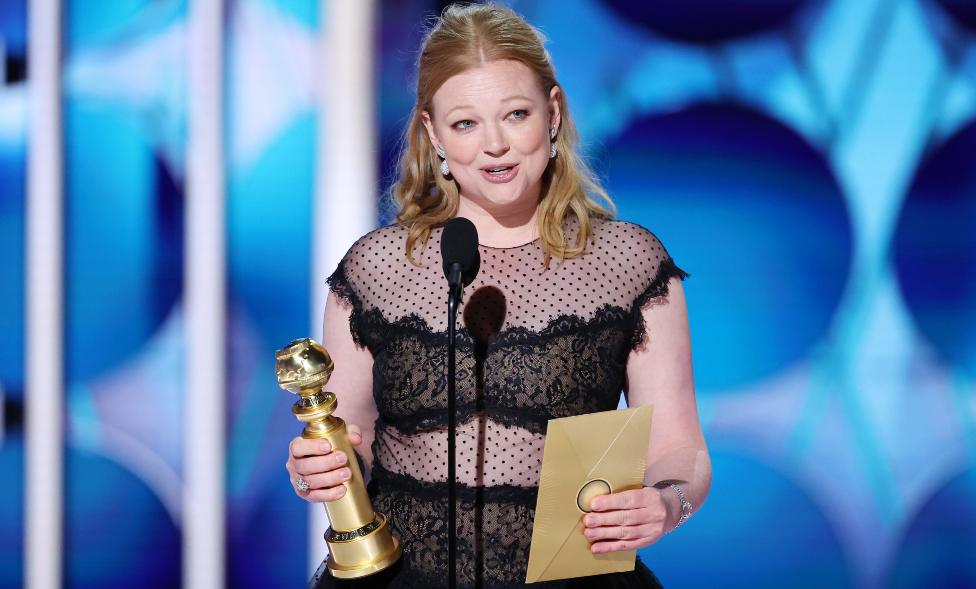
533	143
464	151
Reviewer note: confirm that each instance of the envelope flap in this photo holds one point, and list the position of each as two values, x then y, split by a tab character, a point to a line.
590	434
562	475
624	460
610	445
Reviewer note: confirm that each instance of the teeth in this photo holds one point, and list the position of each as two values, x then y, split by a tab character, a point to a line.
497	170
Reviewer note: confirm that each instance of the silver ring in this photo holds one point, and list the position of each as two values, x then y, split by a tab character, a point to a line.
302	485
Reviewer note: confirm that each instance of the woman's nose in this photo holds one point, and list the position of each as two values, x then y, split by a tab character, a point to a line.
495	143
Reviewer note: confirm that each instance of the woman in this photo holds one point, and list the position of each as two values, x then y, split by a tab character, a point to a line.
568	309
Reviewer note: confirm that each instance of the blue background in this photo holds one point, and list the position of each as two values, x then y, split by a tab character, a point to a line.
811	163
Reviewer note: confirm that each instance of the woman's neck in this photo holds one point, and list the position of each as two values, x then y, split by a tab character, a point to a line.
501	229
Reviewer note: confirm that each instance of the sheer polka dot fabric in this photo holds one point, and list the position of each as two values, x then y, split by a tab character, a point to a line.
512	287
534	343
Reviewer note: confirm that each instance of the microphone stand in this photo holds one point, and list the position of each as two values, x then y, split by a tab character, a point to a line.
456	290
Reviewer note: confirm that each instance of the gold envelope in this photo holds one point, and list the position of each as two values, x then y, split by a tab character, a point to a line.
609	446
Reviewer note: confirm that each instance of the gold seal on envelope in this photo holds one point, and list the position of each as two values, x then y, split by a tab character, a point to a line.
584	456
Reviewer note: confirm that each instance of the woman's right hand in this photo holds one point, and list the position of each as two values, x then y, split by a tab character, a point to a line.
322	468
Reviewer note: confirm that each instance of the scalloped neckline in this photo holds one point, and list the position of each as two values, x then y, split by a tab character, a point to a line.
509	247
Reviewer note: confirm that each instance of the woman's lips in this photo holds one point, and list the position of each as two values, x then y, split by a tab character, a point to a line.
505	175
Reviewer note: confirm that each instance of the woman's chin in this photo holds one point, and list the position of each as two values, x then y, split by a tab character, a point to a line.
506	200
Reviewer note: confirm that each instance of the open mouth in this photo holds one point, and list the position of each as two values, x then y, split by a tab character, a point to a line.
498	171
501	173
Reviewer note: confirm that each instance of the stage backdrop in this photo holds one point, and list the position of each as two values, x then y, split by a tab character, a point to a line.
811	163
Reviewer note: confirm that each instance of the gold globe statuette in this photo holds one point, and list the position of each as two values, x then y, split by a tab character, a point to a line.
359	539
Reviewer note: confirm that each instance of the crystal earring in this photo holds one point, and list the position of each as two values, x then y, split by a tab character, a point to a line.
445	171
552	145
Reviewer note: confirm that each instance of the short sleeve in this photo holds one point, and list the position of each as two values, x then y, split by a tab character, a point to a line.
356	278
342	286
654	269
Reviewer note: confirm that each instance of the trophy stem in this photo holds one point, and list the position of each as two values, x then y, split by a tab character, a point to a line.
360	540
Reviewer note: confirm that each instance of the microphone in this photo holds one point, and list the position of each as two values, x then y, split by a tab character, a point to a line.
459	251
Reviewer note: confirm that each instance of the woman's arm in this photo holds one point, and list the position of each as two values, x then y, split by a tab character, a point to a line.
659	373
351	382
352	379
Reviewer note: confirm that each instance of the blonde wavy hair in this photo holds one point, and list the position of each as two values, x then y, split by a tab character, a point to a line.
465	37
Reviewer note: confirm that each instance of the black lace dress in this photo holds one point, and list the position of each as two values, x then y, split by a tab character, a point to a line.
533	344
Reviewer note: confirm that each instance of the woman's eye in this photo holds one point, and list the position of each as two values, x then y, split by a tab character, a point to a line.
465	124
519	114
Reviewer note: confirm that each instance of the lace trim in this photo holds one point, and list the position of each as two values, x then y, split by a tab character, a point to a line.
657	289
384	480
532	420
339	284
361	320
416	326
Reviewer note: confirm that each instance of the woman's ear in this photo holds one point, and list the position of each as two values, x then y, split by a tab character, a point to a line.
429	125
555	116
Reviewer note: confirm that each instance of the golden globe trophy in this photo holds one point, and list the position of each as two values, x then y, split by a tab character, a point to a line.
359	539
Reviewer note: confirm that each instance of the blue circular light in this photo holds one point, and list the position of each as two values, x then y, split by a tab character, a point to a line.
938	547
261	529
269	216
962	11
707	21
757	529
754	213
118	534
935	249
124	239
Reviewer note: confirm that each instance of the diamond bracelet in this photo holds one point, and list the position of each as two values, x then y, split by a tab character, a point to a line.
685	506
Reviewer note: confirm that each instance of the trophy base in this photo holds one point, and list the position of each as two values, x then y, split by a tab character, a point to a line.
362	555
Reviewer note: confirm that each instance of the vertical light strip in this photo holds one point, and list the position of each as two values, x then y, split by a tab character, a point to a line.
44	454
346	180
204	463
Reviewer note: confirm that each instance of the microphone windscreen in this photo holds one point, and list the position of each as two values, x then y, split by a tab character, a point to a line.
459	243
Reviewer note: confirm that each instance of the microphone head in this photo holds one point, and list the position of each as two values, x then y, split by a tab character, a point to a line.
459	244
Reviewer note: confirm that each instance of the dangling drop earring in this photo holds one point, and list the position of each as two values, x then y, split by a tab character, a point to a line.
552	146
445	171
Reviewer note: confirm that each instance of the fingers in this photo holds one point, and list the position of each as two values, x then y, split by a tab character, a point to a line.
601	547
330	482
317	464
622	500
623	517
621	532
627	520
354	434
325	486
300	447
325	470
323	495
331	486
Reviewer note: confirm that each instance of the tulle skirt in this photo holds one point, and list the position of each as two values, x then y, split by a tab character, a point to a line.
395	577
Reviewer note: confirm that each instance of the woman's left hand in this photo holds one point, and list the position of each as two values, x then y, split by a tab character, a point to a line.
627	520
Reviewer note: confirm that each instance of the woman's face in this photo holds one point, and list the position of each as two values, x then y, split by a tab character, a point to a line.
493	123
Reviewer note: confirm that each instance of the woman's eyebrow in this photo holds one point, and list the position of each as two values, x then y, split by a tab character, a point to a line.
509	99
462	106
